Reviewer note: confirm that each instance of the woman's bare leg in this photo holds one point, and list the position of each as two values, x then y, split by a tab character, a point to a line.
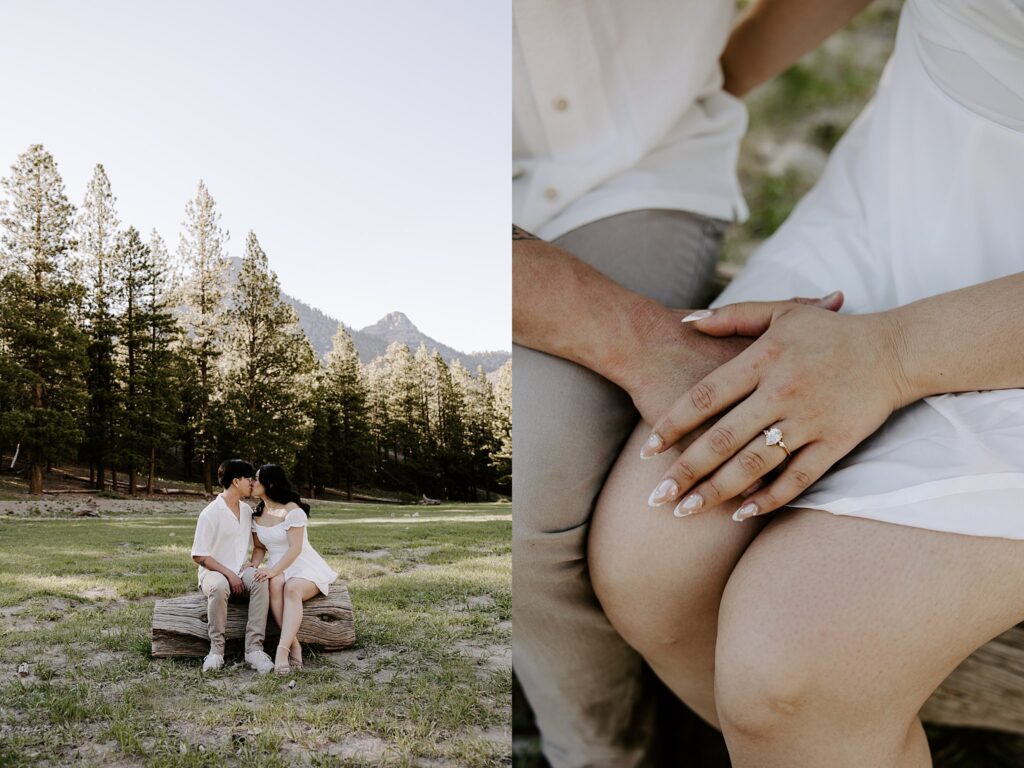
660	578
277	599
296	591
834	631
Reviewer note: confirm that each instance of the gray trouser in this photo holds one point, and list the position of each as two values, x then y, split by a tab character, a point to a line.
585	684
217	590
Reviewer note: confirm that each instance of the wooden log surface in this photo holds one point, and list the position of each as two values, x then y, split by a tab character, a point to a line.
180	628
986	690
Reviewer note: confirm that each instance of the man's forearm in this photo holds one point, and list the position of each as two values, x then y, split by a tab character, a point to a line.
774	34
212	564
564	307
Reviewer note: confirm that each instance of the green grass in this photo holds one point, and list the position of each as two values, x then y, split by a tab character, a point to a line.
427	682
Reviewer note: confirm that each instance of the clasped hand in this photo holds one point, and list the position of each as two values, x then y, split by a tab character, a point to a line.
825	381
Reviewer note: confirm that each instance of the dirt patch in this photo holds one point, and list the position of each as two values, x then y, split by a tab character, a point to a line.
376	554
359	748
100	593
493	657
14	620
498	734
46	507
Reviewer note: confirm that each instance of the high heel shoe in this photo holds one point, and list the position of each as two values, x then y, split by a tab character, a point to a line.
282	668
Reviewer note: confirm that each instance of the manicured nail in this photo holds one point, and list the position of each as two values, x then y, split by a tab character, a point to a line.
652	447
745	512
831	296
689	505
666	491
700	314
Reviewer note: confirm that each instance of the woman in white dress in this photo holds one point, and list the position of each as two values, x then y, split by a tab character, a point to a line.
890	543
295	570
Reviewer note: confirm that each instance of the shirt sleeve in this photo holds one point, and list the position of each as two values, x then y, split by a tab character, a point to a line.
294	519
202	544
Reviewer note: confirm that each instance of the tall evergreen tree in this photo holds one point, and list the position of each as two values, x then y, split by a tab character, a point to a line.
157	391
201	250
478	396
97	238
270	366
44	349
501	455
344	396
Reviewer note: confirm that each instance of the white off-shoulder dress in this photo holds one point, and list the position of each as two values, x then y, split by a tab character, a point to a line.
923	195
308	565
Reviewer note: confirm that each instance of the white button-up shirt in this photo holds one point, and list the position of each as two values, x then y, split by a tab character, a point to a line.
220	536
619	107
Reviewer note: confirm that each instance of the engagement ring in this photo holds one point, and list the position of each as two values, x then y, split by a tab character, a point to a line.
773	436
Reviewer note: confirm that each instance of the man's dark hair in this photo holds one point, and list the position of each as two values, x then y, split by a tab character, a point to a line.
232	469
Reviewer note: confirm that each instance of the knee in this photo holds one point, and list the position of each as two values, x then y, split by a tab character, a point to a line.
764	685
654	616
292	589
217	586
276	584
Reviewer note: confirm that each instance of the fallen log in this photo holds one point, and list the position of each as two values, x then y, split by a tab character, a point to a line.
986	690
180	624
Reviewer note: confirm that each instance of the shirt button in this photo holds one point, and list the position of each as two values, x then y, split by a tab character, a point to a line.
551	194
561	104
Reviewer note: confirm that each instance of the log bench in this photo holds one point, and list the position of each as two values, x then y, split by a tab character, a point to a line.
180	629
986	690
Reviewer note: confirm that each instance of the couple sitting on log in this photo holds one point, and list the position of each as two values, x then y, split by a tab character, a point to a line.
294	572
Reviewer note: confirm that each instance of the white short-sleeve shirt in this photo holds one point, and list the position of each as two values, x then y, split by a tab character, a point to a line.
619	107
221	536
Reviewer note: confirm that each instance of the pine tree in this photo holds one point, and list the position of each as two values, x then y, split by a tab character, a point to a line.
201	250
344	396
43	348
157	392
97	237
501	456
447	409
270	367
478	416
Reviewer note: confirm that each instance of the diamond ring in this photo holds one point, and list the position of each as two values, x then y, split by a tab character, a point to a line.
773	436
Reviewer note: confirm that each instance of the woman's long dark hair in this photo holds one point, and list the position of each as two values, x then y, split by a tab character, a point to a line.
277	488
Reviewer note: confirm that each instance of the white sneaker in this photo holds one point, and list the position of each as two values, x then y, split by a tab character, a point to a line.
259	661
213	661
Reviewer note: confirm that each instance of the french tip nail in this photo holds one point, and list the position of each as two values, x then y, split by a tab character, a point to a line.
665	492
689	505
700	314
653	445
745	512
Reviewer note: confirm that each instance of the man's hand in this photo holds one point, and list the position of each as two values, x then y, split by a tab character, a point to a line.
670	356
237	585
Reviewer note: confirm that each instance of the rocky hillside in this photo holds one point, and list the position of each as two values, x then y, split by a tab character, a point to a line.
373	340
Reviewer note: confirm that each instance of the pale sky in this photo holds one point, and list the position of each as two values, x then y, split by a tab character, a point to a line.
366	143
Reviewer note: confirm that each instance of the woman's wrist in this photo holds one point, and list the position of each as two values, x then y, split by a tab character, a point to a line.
893	328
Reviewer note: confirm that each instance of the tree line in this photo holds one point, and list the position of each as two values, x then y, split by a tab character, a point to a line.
123	358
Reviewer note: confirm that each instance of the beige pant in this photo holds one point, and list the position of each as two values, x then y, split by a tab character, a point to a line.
586	686
217	590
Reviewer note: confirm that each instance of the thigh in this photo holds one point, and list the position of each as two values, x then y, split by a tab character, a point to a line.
214	582
660	578
857	613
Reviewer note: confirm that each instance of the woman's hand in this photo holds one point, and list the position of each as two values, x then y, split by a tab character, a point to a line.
266	574
822	382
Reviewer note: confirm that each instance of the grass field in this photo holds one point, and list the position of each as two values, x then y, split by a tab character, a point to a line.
428	682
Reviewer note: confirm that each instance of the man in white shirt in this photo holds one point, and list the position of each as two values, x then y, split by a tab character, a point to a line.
220	547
